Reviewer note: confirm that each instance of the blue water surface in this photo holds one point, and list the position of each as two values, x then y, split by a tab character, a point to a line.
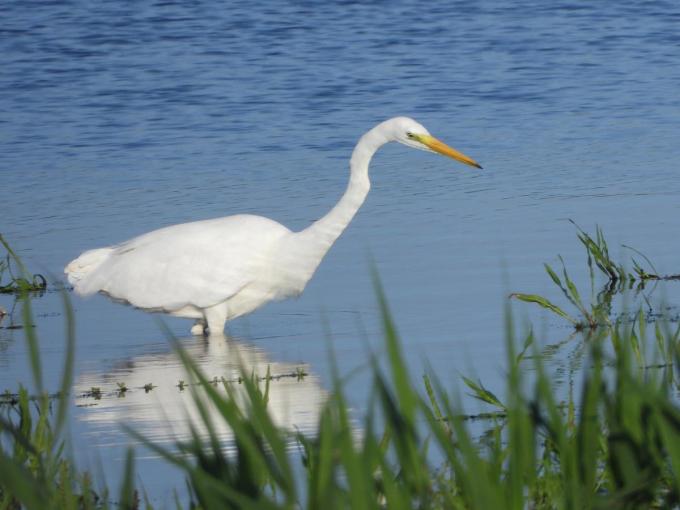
117	118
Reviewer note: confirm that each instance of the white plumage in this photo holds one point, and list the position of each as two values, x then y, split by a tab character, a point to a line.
217	270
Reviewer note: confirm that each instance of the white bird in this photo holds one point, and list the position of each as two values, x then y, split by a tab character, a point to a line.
216	270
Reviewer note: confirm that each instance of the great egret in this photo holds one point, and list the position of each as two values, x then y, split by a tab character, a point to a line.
216	270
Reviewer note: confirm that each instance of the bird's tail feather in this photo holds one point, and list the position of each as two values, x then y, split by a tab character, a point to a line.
77	270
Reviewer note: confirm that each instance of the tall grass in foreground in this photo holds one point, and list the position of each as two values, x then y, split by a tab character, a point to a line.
614	445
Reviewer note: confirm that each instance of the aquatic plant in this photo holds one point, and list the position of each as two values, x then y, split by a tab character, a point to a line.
597	312
592	315
24	281
615	443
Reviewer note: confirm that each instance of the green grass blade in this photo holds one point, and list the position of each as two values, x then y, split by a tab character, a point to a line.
481	393
127	499
544	303
69	360
17	481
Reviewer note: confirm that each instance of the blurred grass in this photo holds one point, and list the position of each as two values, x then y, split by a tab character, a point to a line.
614	444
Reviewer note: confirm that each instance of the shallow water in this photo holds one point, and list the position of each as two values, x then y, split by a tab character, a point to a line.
118	119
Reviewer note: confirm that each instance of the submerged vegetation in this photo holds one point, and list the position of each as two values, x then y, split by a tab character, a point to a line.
610	441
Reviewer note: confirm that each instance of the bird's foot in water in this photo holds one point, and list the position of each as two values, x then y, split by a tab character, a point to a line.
215	319
198	328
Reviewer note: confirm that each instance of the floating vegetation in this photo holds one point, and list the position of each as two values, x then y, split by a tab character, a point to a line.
300	374
598	253
38	283
95	392
10	283
121	388
598	311
16	284
8	398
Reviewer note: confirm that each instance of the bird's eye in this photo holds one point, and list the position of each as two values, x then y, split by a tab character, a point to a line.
409	134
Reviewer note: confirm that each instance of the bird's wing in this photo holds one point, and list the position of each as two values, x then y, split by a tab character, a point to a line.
201	263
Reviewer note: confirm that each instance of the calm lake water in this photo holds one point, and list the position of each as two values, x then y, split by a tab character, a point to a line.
119	118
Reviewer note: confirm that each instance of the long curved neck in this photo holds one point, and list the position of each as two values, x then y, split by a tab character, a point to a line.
321	235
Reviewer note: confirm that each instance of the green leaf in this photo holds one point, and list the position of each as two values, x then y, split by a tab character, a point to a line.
23	486
553	275
481	393
543	302
128	498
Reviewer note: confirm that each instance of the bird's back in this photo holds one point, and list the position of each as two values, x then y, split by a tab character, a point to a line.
199	263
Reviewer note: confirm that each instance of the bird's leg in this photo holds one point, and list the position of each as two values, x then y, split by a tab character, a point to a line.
199	327
216	317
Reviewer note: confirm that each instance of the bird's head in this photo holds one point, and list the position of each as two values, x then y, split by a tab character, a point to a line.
411	133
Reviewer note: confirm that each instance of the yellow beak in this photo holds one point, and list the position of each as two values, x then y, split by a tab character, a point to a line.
440	147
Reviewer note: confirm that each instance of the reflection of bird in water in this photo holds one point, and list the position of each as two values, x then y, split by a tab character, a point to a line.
220	269
167	412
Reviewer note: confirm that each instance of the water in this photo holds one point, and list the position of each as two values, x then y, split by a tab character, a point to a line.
117	119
